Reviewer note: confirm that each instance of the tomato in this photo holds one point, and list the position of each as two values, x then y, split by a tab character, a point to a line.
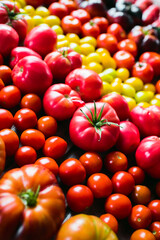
142	234
89	130
155	229
110	220
6	119
82	15
90	29
79	198
34	3
54	147
48	163
47	125
58	9
102	23
124	59
108	41
25	155
10	96
31	101
92	162
141	194
154	206
100	185
119	205
135	82
140	217
5	74
115	161
144	71
26	77
33	196
85	226
11	141
71	5
2	155
153	59
158	86
129	46
71	24
123	73
33	138
117	30
137	173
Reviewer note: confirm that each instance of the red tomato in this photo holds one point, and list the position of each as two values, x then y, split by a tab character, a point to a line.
141	194
1	84
10	96
154	206
110	220
100	185
155	229
47	125
82	15
119	181
49	163
11	141
142	234
129	46
115	161
71	24
25	118
144	71
140	217
117	30
6	119
25	155
108	41
33	138
158	86
137	173
90	29
102	23
5	74
58	9
31	101
71	5
34	3
124	59
119	205
79	198
72	172
54	147
92	162
153	59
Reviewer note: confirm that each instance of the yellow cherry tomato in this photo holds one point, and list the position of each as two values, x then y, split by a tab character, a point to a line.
106	77
143	104
57	29
157	96
30	10
22	3
37	20
97	67
107	88
135	82
131	102
52	20
117	85
61	37
155	101
93	57
123	73
149	87
144	96
63	43
72	37
87	48
100	51
42	11
30	22
107	61
75	47
128	90
89	39
84	61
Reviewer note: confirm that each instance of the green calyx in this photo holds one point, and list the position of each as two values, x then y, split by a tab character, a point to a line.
12	14
29	197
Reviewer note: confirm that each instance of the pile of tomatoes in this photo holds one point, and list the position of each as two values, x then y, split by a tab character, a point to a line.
79	124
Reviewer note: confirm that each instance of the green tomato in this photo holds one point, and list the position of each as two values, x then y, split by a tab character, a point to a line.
106	77
144	96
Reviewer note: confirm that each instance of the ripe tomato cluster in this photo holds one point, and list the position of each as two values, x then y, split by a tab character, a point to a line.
79	119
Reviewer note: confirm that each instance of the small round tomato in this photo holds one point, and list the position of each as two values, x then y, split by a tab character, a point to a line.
144	71
82	15
11	141
124	59
135	82
117	30
116	161
137	173
129	46
140	217
155	229
154	206
90	29
31	101
110	220
100	185
1	84
25	118
79	198
142	234
102	23
58	9
54	147
141	194
49	163
5	74
47	125
33	138
123	73
71	25
119	181
71	5
25	155
10	96
157	86
6	119
119	205
108	41
92	162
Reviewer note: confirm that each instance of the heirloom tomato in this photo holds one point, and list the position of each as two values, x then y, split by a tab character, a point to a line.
2	155
110	220
34	202
94	127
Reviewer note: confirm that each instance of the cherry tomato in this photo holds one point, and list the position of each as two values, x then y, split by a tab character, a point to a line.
5	74
140	217
11	141
116	161
102	23
141	194
25	155
157	86
54	147
71	25
108	41
71	5
119	181
58	9
100	185
110	220
90	29
47	125
124	59
82	15
117	30
142	234
119	205
10	96
155	229
144	71
49	163
33	138
6	119
137	173
154	206
79	198
129	46
31	101
1	84
72	172
25	118
92	162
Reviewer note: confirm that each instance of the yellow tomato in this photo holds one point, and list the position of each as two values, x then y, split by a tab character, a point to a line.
123	73
117	85
22	3
143	104
72	37
149	87
135	82
37	20
95	67
52	20
131	102
30	22
155	101
87	48
29	10
128	90
107	88
107	61
93	57
144	96
157	96
90	40
75	47
57	29
61	37
42	11
100	51
84	61
63	43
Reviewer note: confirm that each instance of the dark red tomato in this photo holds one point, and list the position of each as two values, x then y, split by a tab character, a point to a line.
54	147
110	220
5	74
155	229
102	23
129	46
58	9
154	206
47	125
137	173
108	41
82	15
33	138
71	25
72	172
25	118
92	162
142	234
79	198
144	71
10	96
140	217
90	29
31	101
100	185
25	155
11	141
119	205
124	59
141	194
34	3
117	30
6	119
115	161
123	182
49	163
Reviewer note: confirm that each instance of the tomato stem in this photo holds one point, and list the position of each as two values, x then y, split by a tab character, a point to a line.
29	197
